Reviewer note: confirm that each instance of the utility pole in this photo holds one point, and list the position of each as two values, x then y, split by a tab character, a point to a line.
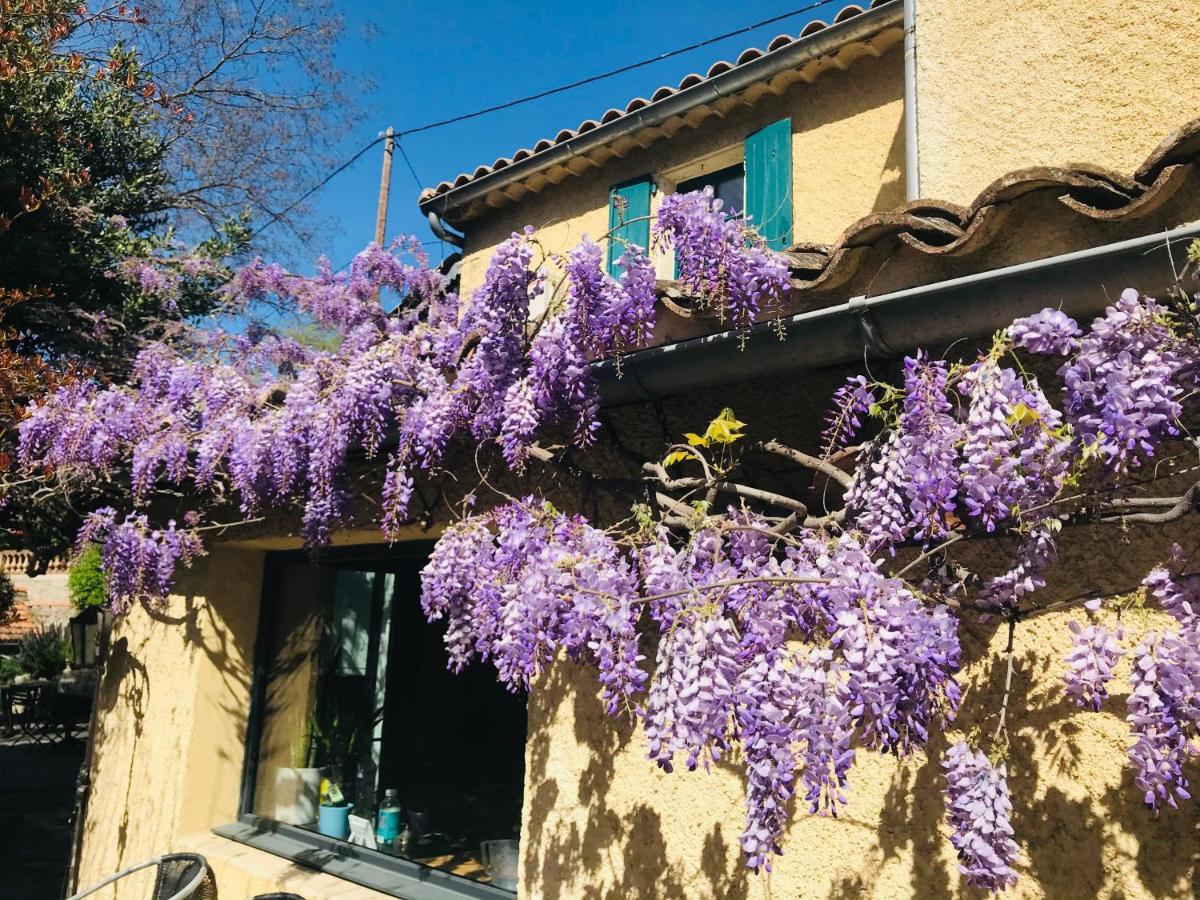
385	184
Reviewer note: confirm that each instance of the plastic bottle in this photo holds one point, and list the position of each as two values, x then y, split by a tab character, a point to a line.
387	827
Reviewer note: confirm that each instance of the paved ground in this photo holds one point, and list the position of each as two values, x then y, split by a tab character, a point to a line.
37	791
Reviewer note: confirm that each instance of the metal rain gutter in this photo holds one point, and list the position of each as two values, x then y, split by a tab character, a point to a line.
862	27
933	315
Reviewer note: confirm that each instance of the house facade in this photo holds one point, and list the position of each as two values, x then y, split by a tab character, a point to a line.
931	174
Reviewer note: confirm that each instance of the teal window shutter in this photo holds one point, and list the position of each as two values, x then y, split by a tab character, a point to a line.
769	183
628	219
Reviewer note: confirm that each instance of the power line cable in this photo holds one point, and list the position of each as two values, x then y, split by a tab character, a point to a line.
408	162
275	217
591	79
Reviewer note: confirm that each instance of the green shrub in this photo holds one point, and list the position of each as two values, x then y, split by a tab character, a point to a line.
10	668
85	580
8	594
43	652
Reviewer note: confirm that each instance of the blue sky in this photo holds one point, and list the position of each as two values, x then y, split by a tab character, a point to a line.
431	61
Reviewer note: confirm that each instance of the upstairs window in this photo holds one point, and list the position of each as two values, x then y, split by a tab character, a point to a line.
728	184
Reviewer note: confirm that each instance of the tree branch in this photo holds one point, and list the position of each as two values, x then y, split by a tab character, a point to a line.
845	479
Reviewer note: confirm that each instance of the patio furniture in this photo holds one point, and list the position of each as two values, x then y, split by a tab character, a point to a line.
180	876
41	711
25	708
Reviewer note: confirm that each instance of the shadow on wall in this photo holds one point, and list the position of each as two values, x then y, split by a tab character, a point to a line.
627	844
1077	842
148	709
1078	817
121	699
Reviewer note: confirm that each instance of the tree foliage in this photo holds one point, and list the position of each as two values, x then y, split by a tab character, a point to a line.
89	269
8	596
85	580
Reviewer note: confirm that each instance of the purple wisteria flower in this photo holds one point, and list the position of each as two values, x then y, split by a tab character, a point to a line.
139	561
851	402
1094	654
766	694
978	810
612	315
726	267
1050	332
1122	388
1015	453
1178	595
1163	711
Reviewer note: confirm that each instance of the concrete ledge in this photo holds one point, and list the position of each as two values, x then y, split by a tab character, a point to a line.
279	857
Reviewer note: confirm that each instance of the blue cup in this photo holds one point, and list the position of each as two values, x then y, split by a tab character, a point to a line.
334	821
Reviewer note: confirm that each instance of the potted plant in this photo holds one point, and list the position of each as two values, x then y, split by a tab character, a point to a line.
43	652
298	786
336	744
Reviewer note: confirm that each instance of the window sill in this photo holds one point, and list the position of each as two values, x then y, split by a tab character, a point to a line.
378	871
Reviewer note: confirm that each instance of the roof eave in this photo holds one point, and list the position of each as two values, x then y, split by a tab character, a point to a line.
451	204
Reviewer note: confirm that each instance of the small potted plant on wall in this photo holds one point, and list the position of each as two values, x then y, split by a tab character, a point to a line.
336	744
298	786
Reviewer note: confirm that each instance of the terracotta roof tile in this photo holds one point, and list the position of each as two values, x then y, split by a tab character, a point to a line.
18	622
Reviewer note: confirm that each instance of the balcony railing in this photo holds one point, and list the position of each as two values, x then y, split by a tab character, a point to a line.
16	562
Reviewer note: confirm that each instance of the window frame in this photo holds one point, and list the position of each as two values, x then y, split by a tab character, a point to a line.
374	869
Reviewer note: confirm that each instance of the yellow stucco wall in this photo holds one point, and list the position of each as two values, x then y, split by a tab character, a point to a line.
171	738
1006	85
602	822
847	159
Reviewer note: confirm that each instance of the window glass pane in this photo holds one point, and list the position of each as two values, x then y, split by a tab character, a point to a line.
350	624
729	185
430	764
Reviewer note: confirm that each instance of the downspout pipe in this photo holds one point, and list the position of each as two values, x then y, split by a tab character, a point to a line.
862	27
442	232
912	154
932	316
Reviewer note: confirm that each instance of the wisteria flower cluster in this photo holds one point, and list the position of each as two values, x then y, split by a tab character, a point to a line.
139	561
1124	379
522	582
719	259
782	644
1095	651
1163	709
978	809
276	422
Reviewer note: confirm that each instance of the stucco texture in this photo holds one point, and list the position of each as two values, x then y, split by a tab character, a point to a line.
171	720
1002	86
171	734
847	159
602	822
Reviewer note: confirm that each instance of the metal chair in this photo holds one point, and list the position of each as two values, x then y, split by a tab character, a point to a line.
180	876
